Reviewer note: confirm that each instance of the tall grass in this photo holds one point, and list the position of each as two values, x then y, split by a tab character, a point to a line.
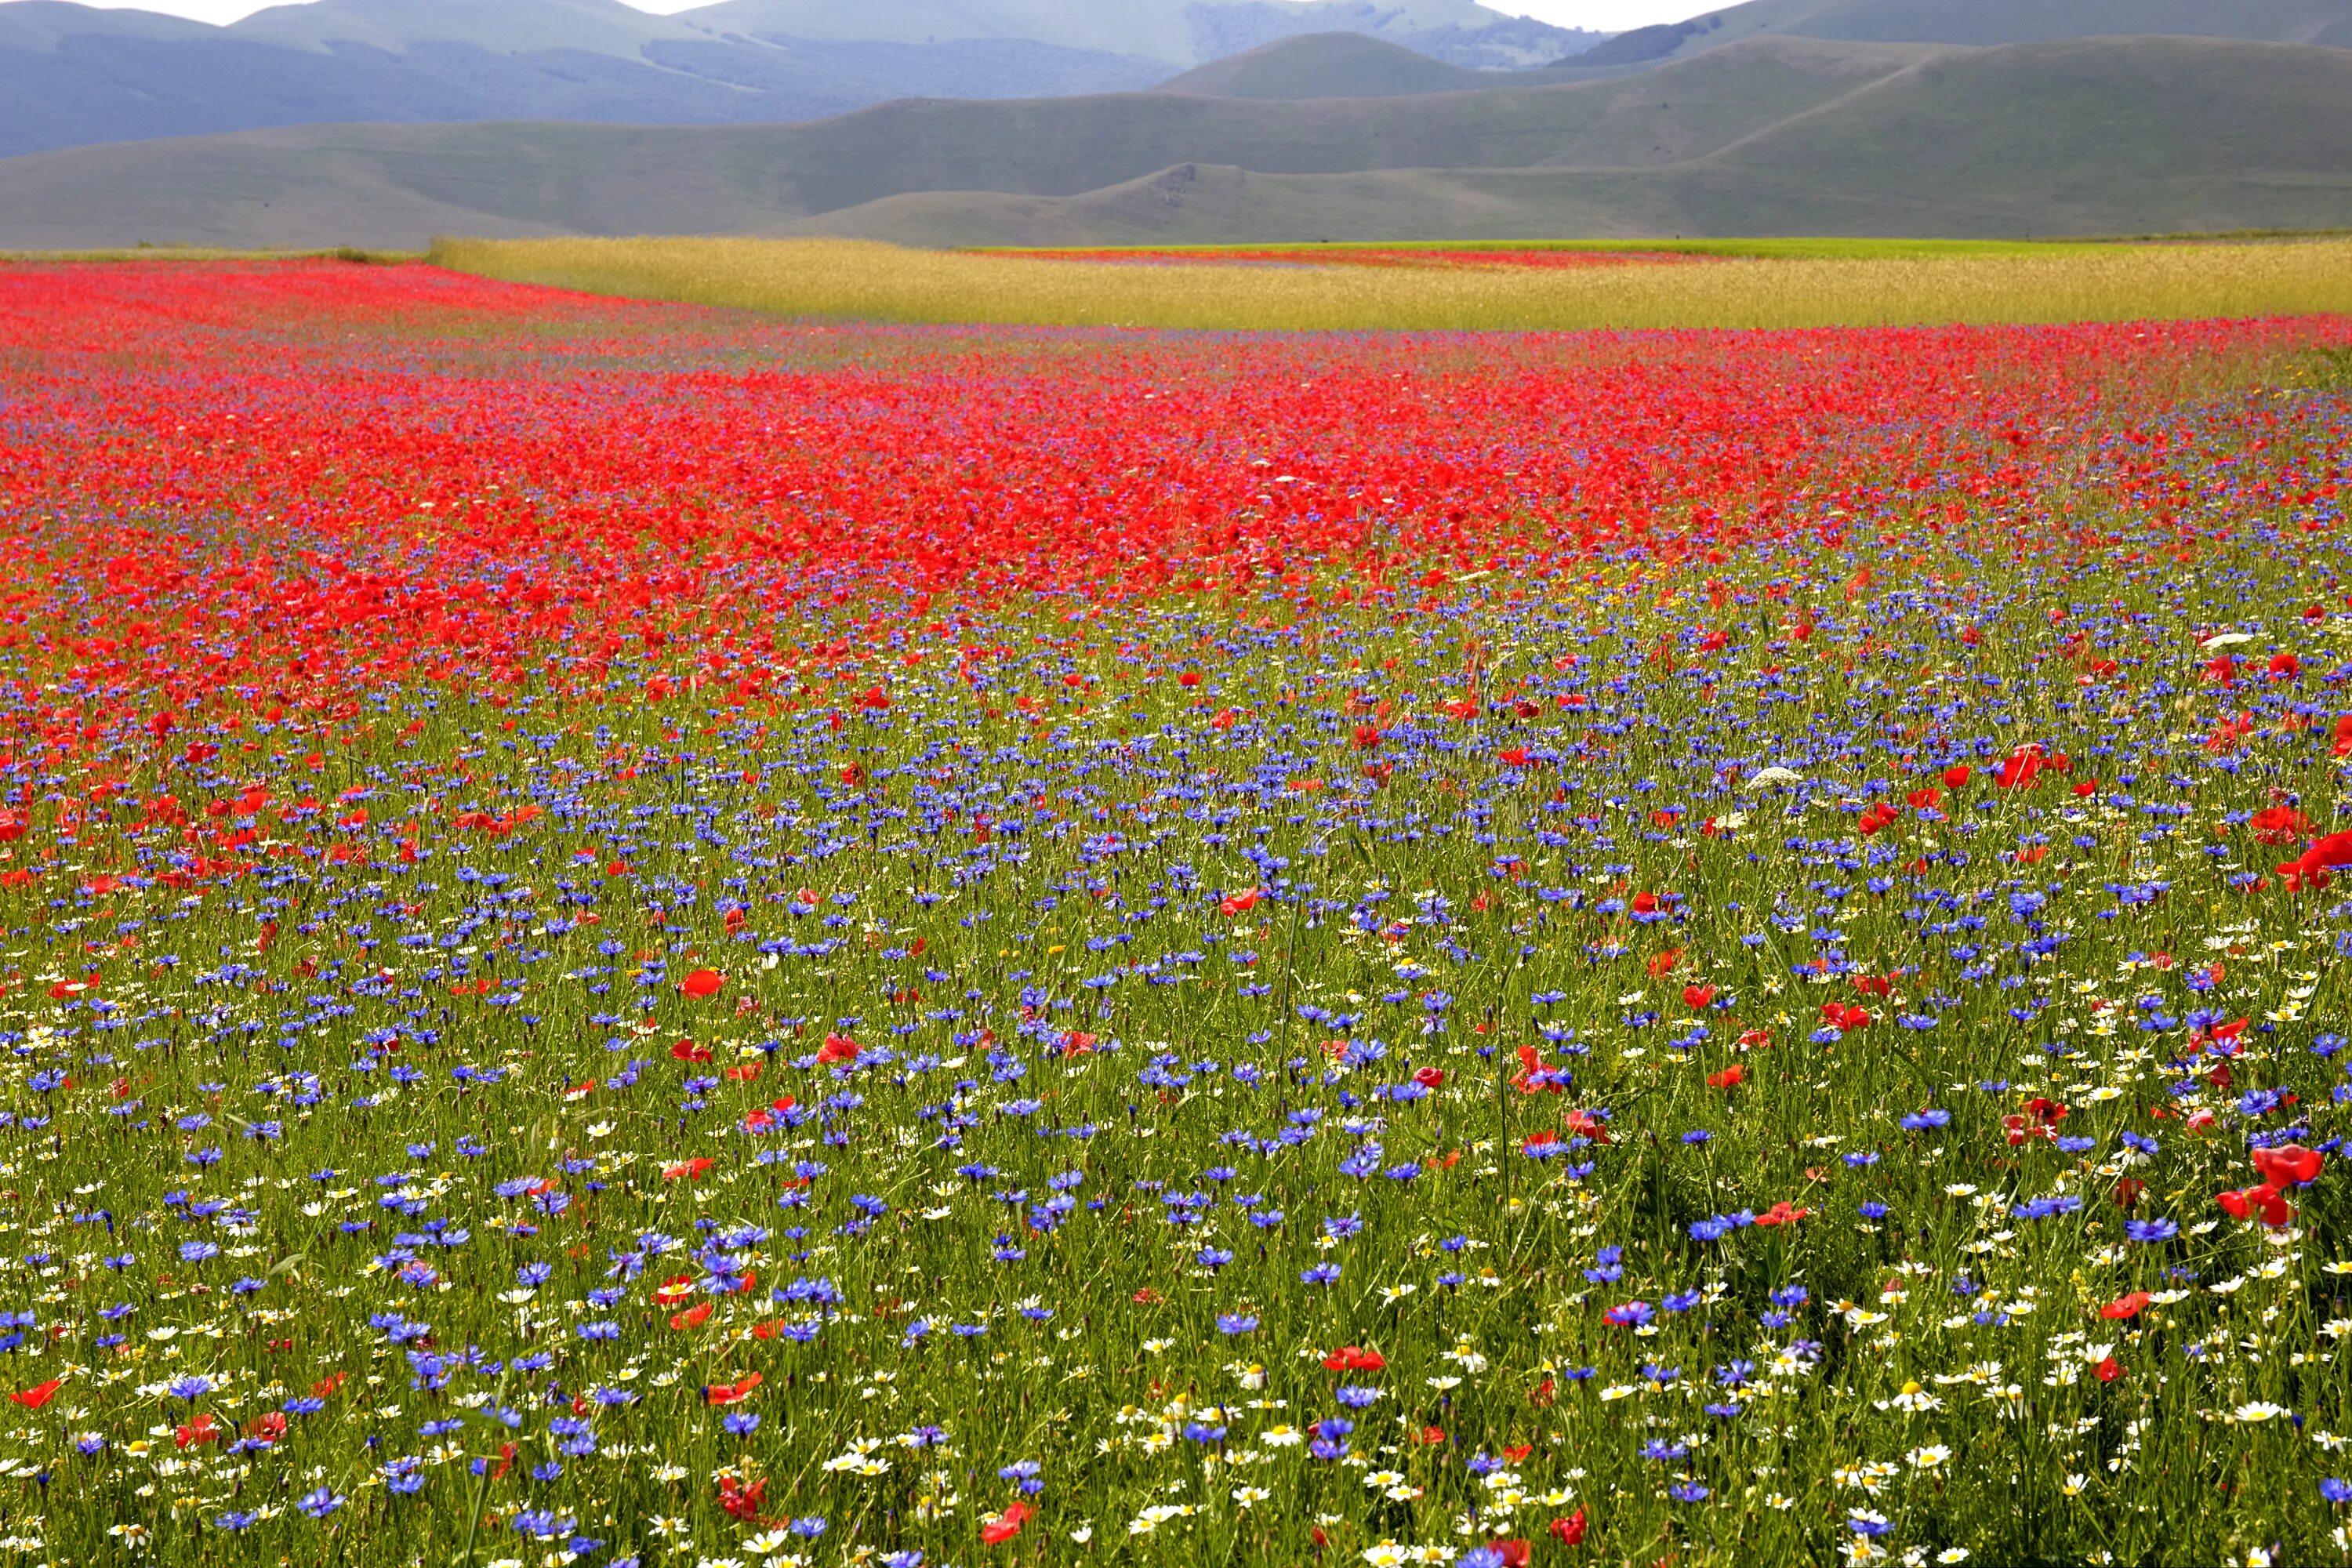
882	282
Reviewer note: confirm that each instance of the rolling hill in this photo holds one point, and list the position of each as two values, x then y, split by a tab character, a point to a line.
1328	65
1772	136
74	75
374	184
2157	136
1979	24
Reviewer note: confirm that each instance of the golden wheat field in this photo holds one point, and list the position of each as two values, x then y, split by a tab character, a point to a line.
882	282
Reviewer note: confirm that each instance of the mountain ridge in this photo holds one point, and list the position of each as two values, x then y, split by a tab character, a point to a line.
1774	136
78	75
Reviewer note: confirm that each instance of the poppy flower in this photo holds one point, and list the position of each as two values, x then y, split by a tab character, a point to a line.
1697	997
1354	1357
739	1501
33	1398
689	1170
836	1048
2126	1306
1429	1077
2279	824
733	1392
1237	903
1783	1214
2264	1202
692	1318
1569	1531
701	983
2289	1165
1729	1077
266	1428
1001	1527
2312	868
2108	1371
1584	1124
2037	1118
1956	776
199	1431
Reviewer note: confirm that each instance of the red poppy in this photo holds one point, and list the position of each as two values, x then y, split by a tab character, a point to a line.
1354	1357
266	1428
33	1398
2288	1166
2313	865
1569	1531
1729	1077
836	1048
687	1051
2263	1201
692	1318
2109	1369
702	983
1697	997
2126	1306
690	1169
1429	1077
1584	1124
199	1431
2037	1119
1234	904
733	1392
1956	776
1004	1526
2279	824
739	1501
1781	1214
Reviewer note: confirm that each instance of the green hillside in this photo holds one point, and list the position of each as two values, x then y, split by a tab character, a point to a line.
1327	64
1979	24
1784	136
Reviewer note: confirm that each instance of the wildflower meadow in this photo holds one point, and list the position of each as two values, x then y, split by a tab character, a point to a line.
644	935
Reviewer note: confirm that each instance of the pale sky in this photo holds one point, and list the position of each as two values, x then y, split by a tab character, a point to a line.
1607	15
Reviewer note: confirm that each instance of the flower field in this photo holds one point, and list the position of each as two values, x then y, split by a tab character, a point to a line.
639	934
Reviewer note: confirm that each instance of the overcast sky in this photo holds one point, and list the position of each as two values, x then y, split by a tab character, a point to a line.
1610	15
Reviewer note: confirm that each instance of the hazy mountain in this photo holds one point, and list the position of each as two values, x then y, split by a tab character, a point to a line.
1772	136
1184	31
71	75
1328	65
